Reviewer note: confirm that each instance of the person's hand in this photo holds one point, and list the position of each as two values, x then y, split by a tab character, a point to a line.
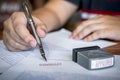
99	27
16	35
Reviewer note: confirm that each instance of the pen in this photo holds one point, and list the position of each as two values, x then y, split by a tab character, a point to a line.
32	26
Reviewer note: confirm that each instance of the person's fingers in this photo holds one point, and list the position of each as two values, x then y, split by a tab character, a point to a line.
106	27
90	29
22	31
40	27
85	24
6	40
40	30
98	35
12	45
10	32
25	35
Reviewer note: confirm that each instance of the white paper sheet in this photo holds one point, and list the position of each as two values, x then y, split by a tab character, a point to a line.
9	59
32	68
58	48
61	38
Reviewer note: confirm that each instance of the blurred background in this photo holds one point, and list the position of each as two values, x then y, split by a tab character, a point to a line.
7	7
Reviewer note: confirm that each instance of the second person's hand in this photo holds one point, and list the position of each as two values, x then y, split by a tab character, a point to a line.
99	27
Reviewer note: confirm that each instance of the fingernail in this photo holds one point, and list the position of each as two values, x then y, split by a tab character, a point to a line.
32	44
42	32
71	36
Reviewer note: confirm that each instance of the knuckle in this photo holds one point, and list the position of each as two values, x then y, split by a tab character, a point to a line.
82	34
85	31
15	14
41	25
99	34
13	17
15	44
6	42
26	38
7	32
10	48
5	23
94	36
17	27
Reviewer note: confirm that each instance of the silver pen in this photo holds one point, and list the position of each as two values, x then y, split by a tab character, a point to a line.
27	13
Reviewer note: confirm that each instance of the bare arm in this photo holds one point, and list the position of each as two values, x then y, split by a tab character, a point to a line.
54	14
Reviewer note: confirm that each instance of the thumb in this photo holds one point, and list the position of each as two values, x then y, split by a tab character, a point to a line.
40	27
41	31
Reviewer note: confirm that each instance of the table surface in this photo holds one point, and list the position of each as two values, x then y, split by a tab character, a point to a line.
112	49
0	35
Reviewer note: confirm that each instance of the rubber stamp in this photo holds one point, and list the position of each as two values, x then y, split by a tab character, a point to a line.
93	58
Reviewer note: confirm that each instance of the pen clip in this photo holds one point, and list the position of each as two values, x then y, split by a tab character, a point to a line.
27	10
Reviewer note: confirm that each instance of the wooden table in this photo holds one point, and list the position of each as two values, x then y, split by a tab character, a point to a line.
1	35
112	49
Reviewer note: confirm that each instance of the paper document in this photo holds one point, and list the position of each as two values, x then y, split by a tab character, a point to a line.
9	59
33	68
58	48
62	38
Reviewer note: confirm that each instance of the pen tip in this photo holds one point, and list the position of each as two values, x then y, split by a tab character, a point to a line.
45	58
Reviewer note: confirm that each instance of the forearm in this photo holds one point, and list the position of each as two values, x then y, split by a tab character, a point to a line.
55	13
48	18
